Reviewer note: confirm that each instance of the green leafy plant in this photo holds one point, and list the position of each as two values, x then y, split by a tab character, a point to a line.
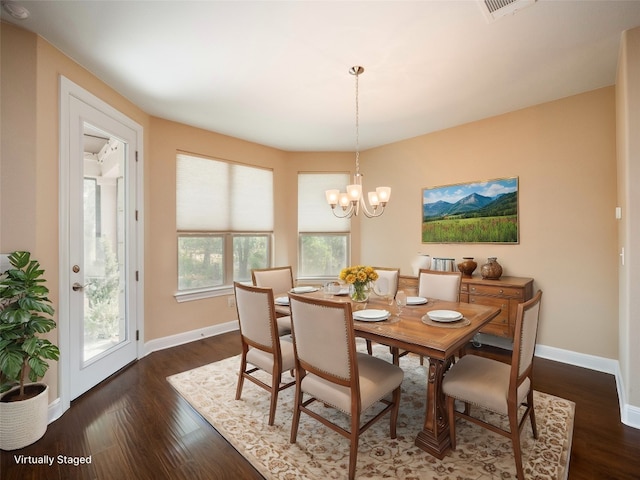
25	312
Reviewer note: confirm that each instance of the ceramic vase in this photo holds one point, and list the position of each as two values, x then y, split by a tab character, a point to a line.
419	262
467	266
491	270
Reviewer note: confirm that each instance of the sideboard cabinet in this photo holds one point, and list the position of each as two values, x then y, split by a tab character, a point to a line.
505	293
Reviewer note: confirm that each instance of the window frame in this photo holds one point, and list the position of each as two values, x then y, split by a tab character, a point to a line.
228	235
228	264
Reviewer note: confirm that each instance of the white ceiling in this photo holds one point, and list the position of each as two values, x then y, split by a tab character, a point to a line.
276	72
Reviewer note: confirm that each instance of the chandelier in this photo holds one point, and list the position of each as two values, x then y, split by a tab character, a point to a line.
352	201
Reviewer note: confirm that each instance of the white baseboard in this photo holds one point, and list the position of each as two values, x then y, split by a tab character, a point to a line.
600	364
191	336
55	410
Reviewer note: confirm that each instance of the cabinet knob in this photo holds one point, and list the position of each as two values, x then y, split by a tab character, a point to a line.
501	291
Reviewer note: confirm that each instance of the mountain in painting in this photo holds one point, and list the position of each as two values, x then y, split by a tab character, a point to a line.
473	205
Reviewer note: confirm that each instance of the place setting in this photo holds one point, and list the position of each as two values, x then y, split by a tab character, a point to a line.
371	315
445	318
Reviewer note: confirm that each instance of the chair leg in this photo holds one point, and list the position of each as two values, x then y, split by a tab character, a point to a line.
369	347
394	412
515	440
532	414
275	384
243	367
451	412
295	421
353	448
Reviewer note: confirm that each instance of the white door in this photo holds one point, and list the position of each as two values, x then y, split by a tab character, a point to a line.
101	256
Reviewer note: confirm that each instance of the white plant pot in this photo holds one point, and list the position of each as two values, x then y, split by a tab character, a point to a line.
24	422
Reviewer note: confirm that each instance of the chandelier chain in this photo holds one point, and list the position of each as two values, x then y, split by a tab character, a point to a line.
357	126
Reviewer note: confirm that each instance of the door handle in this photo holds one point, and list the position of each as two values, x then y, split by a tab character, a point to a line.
77	287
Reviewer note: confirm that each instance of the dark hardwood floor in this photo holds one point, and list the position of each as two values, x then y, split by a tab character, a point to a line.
135	426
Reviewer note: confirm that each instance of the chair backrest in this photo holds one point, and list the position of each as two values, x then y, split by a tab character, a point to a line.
256	314
324	338
439	285
524	339
391	276
280	279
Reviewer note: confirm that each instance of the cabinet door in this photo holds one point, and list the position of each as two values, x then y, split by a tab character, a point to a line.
500	325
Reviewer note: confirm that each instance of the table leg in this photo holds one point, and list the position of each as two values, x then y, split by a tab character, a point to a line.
434	436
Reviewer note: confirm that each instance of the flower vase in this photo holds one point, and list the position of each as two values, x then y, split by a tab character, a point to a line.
359	292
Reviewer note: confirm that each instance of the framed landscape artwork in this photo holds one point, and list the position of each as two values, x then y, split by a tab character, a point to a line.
477	212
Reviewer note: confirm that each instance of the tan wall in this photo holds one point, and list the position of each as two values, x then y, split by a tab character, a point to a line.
564	155
19	147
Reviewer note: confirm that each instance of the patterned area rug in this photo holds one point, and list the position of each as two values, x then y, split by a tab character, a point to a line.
320	453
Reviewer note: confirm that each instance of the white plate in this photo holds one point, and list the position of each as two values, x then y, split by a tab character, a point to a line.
444	315
416	300
372	315
304	289
282	301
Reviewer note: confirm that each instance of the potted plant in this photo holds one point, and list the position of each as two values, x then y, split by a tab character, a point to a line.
25	313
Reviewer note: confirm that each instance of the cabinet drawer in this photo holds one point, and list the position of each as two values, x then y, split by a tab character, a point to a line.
503	305
506	292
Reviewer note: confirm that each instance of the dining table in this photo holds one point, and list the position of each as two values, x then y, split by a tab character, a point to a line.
437	341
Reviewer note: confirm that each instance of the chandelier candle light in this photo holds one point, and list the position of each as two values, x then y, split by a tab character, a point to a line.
352	201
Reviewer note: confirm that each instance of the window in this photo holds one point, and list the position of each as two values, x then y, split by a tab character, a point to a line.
224	218
323	239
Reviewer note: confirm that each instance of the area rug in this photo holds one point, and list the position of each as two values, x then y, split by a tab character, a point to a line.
320	453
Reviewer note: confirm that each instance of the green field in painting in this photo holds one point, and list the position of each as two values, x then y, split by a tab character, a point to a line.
471	230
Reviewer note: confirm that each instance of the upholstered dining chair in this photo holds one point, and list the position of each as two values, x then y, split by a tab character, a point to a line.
389	279
439	285
330	371
497	386
280	279
262	346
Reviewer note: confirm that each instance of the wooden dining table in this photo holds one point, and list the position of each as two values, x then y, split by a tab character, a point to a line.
414	332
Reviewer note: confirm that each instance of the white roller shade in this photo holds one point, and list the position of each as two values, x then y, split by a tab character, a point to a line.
212	195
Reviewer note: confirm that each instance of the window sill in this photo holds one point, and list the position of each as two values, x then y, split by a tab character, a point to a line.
203	293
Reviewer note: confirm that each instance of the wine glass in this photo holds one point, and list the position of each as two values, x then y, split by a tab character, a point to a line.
401	301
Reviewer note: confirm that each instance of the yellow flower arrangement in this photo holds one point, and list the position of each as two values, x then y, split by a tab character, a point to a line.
359	276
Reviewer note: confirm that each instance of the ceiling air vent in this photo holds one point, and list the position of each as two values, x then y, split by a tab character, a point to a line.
495	9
